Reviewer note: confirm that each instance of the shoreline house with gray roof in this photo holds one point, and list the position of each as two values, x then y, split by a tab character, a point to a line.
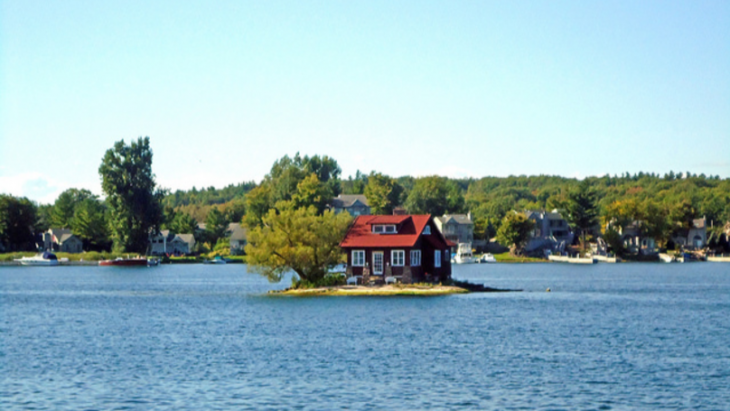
62	240
355	204
696	236
237	238
552	232
456	228
166	242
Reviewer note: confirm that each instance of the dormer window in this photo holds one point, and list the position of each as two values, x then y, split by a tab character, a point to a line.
427	230
384	229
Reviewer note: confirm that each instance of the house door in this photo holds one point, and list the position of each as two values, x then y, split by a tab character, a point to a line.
377	262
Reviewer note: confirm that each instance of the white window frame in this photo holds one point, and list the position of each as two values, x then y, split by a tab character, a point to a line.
427	230
415	258
384	229
397	258
358	262
382	262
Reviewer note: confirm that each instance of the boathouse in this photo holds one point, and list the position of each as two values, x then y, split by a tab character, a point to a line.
408	248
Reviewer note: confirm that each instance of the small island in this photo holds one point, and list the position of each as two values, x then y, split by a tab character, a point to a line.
425	290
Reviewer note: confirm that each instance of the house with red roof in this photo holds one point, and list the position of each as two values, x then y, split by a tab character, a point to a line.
405	247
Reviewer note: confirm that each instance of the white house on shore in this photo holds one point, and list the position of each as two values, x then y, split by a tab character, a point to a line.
167	242
63	240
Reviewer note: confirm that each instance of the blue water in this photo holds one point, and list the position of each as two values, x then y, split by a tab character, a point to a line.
624	336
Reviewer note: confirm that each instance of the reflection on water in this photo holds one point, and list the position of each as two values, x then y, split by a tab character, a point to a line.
200	337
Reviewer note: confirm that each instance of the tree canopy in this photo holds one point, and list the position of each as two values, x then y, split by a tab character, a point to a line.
135	203
296	239
515	231
383	193
436	196
17	223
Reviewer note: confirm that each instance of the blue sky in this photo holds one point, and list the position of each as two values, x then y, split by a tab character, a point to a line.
471	88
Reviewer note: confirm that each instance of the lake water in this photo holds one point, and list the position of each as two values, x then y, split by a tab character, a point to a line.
623	336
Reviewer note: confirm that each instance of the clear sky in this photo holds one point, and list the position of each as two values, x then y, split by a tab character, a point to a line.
457	88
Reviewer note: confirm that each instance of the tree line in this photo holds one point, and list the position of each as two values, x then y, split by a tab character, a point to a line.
134	205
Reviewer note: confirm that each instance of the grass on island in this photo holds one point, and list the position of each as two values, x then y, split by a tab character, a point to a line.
509	258
425	290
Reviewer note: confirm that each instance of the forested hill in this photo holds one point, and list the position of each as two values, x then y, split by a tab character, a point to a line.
197	203
492	197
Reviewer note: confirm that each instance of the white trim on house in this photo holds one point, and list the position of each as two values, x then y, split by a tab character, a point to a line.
397	258
415	258
358	258
384	229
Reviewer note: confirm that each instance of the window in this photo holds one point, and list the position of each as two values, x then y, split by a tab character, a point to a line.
415	258
358	258
427	230
437	258
398	258
383	228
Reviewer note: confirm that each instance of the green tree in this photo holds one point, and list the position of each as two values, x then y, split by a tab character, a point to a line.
258	203
65	206
383	193
17	223
296	239
135	204
436	196
515	231
581	210
183	224
90	224
681	217
312	192
216	226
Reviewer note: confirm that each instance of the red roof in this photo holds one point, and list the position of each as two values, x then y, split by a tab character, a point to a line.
409	229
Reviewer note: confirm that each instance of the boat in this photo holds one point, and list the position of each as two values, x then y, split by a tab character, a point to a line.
125	262
666	258
153	262
572	260
464	255
582	260
488	258
718	259
217	260
45	259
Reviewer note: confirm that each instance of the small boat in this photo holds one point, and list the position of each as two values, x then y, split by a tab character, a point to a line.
217	260
666	258
125	262
42	259
488	258
153	262
582	260
464	255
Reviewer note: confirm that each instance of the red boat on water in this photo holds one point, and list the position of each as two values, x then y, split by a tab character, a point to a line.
125	262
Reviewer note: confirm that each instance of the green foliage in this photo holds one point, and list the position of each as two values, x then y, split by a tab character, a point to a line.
436	196
183	224
356	185
515	231
17	223
135	205
312	192
208	196
300	240
89	223
383	193
329	280
299	182
216	226
65	206
581	210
